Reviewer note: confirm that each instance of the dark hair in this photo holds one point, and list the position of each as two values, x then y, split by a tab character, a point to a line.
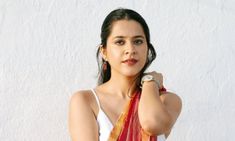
116	15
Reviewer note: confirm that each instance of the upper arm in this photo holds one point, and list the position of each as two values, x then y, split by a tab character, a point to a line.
173	105
82	121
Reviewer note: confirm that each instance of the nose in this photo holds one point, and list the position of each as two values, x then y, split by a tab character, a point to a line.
130	49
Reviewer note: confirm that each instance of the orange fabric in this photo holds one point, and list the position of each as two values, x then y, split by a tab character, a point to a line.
128	127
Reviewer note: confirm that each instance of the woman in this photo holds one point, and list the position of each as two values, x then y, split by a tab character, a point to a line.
127	104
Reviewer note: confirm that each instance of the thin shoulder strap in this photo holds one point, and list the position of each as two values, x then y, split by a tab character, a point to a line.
96	97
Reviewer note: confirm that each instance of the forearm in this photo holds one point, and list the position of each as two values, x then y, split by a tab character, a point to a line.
153	114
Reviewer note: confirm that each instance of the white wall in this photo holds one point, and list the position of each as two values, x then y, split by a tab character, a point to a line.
47	52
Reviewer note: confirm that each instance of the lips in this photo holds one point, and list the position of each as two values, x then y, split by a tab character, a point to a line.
130	61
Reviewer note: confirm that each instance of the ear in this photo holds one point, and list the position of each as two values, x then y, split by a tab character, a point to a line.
103	52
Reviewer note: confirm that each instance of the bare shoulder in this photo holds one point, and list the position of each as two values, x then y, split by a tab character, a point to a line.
170	98
82	121
78	100
173	105
80	96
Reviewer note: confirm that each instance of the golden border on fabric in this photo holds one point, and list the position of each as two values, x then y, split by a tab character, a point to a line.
119	125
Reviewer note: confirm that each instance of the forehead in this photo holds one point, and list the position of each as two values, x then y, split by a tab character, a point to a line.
127	28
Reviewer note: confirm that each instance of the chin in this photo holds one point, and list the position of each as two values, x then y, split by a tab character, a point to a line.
131	73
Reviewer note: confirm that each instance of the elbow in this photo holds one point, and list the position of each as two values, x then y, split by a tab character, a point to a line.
157	126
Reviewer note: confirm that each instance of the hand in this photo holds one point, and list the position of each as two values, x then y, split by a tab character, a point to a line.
158	77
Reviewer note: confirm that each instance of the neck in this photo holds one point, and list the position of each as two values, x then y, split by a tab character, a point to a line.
122	86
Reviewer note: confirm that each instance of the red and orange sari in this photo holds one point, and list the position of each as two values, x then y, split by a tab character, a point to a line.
128	127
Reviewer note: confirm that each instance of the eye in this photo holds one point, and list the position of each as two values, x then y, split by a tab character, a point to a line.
119	42
138	42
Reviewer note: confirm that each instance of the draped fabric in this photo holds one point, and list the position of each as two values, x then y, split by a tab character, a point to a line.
128	127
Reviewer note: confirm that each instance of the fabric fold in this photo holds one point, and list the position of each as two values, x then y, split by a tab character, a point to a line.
128	126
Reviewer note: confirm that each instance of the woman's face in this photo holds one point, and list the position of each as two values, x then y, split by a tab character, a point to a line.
126	41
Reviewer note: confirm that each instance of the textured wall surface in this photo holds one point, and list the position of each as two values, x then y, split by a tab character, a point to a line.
47	52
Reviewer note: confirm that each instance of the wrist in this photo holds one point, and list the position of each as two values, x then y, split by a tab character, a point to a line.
150	83
148	79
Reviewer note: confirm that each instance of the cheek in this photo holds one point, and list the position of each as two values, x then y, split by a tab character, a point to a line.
144	53
114	54
145	56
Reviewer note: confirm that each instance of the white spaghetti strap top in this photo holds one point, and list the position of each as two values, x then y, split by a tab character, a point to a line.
105	125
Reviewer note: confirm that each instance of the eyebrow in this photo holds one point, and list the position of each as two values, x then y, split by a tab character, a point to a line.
137	36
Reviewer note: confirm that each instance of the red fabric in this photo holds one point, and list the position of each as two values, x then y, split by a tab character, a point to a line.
131	129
